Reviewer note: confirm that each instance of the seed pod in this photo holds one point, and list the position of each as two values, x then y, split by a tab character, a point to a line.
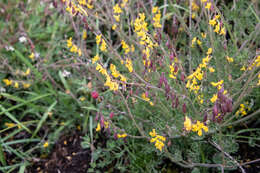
184	109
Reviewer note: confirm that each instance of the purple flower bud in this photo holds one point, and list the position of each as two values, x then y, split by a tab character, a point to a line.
224	108
176	102
229	105
215	110
115	136
184	109
175	68
182	77
205	117
102	121
146	93
167	89
172	56
97	116
111	115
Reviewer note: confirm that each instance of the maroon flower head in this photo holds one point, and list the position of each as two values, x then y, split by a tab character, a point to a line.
94	94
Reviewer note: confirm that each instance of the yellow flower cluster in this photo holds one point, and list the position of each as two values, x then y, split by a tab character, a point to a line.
103	46
256	63
129	65
147	99
122	135
243	109
195	8
214	98
73	47
194	41
157	17
116	73
117	11
158	139
188	125
140	28
109	82
125	47
217	84
95	59
74	8
216	23
15	84
192	83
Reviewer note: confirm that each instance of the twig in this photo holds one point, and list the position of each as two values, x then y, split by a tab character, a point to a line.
228	155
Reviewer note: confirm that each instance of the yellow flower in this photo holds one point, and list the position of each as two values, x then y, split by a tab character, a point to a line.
32	56
106	124
217	28
114	26
223	31
98	39
154	10
209	51
211	69
98	127
214	98
153	133
79	52
82	99
7	82
208	5
95	59
26	85
84	34
103	46
187	124
243	68
46	144
16	85
122	135
198	42
27	72
212	22
229	59
69	42
203	35
10	125
117	9
117	17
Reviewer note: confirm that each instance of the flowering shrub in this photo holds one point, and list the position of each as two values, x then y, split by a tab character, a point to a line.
169	69
169	79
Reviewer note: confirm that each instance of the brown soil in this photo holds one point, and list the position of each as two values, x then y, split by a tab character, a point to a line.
67	157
